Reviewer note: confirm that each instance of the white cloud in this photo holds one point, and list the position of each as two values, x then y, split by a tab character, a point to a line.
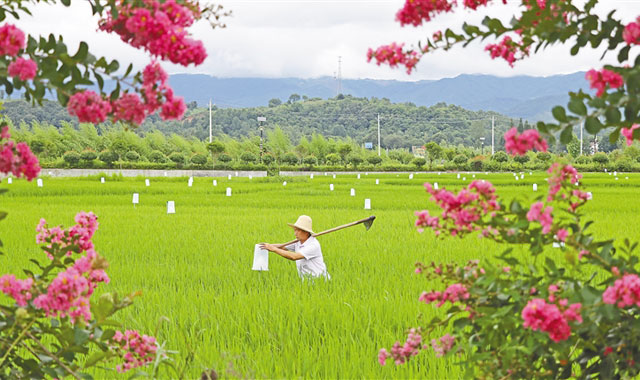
304	38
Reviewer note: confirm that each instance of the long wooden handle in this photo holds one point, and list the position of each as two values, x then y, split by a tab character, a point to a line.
331	230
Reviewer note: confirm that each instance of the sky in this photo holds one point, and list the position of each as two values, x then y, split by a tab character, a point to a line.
304	38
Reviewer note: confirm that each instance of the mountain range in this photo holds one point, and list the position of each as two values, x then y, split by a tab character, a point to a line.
530	98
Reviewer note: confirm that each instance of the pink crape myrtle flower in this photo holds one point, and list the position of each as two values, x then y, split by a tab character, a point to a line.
562	234
528	140
22	68
560	175
443	345
19	290
624	292
88	107
80	234
628	133
402	352
394	55
536	213
453	293
138	350
507	50
173	109
539	315
415	12
129	108
599	80
631	33
11	40
17	159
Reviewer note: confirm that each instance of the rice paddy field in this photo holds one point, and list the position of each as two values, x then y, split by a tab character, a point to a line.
200	296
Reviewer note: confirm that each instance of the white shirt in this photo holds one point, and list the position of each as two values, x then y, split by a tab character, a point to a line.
312	264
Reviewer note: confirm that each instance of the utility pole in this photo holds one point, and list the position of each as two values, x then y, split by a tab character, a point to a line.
581	127
493	119
210	124
339	91
378	135
261	118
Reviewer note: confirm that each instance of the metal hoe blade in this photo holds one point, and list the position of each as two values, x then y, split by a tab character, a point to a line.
369	222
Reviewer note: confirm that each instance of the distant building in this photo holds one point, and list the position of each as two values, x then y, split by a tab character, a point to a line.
594	145
419	151
368	145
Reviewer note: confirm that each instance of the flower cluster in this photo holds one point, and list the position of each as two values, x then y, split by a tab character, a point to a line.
415	12
23	68
19	290
599	80
453	293
628	133
624	292
507	50
560	176
90	107
68	294
520	145
136	350
394	55
443	345
402	352
159	28
541	214
11	40
631	33
548	317
80	234
460	211
17	159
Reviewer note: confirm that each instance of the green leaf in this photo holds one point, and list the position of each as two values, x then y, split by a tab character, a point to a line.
623	55
83	50
593	125
81	336
567	135
614	136
95	358
576	106
559	114
613	115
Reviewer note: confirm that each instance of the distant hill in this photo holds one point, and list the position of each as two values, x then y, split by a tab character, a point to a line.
525	97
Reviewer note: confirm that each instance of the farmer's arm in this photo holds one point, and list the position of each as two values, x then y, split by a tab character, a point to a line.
293	256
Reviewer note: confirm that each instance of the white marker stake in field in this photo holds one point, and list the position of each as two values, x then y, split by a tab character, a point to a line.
615	173
228	191
101	179
165	174
521	176
171	207
284	183
190	182
377	181
136	199
473	176
464	178
626	177
358	175
146	183
260	258
229	177
334	176
331	186
353	192
40	182
435	185
250	177
311	175
411	176
439	173
9	180
236	174
535	187
367	204
530	173
215	182
458	175
616	178
516	178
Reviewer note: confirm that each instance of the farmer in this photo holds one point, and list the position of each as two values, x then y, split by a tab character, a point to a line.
305	252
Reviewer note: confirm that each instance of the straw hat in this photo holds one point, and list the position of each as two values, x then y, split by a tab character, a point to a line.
303	223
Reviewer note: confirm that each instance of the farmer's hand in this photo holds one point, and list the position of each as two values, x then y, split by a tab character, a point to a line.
267	246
